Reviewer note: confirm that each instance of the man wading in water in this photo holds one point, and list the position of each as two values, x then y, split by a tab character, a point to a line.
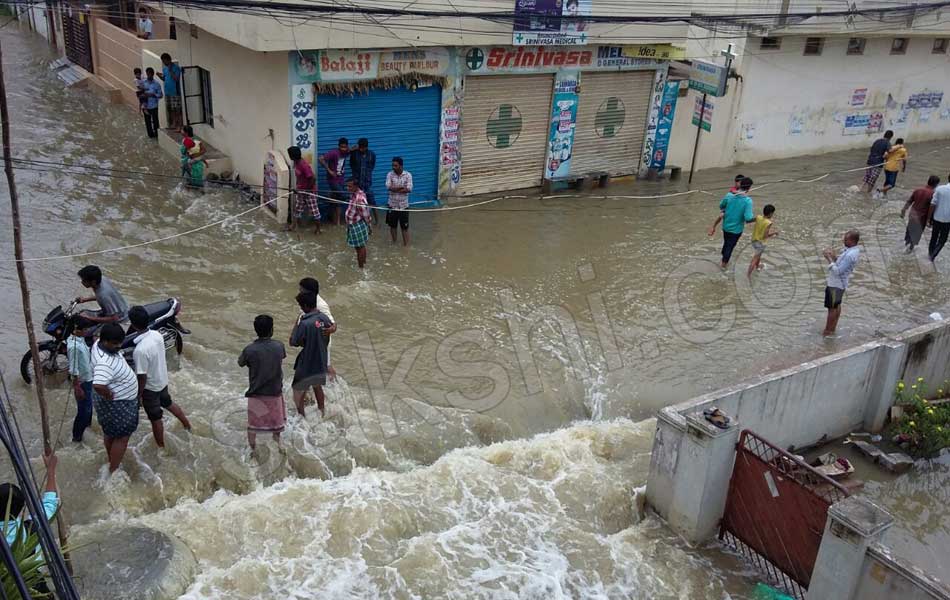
310	367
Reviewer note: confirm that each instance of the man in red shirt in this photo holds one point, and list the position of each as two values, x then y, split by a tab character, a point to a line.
306	190
919	206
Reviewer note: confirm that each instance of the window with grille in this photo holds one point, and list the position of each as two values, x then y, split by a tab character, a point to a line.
814	45
899	45
940	46
856	46
770	43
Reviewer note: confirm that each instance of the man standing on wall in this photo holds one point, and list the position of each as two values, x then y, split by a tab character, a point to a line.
876	161
152	90
171	76
939	219
334	161
399	184
840	268
362	163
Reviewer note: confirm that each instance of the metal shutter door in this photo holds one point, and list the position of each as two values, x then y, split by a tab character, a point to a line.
505	126
611	121
397	122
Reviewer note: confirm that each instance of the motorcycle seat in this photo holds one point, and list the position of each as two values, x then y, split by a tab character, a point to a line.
157	309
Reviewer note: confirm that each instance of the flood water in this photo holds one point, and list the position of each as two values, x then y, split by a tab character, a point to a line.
490	426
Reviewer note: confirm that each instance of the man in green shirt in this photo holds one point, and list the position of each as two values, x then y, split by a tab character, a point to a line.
735	210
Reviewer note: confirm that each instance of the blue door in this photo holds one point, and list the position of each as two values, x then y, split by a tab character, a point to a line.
397	122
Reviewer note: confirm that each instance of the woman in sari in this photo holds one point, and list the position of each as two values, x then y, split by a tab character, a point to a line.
192	159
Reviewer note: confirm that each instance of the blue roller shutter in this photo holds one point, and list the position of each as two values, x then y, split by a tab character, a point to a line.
397	122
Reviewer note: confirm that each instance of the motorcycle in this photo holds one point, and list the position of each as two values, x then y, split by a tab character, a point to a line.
59	324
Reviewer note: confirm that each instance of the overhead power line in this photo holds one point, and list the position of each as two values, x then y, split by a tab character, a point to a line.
302	9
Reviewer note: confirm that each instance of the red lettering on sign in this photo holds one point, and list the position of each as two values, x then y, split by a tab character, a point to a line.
495	57
573	58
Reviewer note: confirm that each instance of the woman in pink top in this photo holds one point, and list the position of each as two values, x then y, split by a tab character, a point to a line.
358	226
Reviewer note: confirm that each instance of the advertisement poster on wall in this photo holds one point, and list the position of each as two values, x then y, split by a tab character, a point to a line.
303	120
664	127
550	22
861	123
563	124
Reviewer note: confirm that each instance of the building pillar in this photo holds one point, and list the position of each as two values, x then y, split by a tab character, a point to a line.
690	469
852	526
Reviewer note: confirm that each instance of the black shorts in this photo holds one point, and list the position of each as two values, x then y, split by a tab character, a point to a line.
154	402
400	217
833	297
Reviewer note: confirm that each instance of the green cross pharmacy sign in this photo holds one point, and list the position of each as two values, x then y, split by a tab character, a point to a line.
504	126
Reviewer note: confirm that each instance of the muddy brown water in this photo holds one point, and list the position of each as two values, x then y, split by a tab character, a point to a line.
490	428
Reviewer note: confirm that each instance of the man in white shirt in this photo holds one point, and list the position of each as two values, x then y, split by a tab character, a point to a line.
399	184
116	400
939	219
145	26
152	372
840	268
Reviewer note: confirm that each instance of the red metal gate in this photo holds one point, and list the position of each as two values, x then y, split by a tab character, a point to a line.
776	511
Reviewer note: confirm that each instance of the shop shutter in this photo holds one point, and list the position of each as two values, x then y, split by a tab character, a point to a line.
504	132
611	121
397	122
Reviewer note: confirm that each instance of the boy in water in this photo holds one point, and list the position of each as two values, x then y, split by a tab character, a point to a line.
761	231
735	184
139	84
894	161
80	369
266	410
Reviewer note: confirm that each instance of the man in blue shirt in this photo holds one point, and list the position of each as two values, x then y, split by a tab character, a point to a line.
735	211
171	76
152	90
362	164
16	523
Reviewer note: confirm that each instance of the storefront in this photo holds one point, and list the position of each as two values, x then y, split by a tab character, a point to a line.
531	113
392	98
479	119
504	132
611	121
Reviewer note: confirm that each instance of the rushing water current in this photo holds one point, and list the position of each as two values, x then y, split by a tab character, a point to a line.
489	432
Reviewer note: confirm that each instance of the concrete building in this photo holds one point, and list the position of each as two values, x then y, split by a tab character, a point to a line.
468	110
821	84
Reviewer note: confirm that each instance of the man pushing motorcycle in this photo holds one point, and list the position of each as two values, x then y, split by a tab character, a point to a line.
112	306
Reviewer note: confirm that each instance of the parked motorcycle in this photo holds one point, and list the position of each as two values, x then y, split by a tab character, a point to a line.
59	324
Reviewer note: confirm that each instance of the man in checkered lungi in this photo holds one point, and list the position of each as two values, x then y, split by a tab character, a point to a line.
306	190
876	161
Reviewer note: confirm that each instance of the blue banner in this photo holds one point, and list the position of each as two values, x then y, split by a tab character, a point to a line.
563	121
664	126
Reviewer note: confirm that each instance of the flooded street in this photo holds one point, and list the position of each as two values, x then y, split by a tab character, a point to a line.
492	419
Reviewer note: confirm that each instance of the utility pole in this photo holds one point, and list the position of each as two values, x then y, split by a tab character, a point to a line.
730	55
18	255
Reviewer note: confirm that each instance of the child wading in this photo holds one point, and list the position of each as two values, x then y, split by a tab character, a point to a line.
357	222
761	231
266	411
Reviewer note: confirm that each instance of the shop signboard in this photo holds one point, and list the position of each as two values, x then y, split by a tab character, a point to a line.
563	123
671	90
550	22
708	78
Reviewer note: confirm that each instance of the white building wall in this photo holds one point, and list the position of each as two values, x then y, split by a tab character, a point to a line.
787	104
249	95
794	104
